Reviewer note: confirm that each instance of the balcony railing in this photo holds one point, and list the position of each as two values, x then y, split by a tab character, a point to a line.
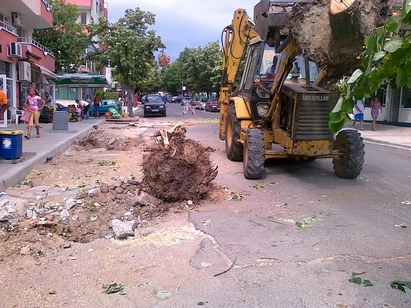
8	27
30	40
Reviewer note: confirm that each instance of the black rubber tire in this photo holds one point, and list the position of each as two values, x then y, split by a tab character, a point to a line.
164	114
351	144
233	147
254	154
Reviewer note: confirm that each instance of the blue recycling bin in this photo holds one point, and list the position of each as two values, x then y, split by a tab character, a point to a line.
11	142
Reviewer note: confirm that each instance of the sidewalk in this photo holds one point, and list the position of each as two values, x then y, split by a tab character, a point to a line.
36	150
53	143
385	134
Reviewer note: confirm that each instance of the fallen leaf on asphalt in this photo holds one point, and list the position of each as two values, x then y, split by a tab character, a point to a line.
235	197
113	288
401	285
258	186
357	280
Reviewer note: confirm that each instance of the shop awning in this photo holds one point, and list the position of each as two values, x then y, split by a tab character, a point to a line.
84	80
46	71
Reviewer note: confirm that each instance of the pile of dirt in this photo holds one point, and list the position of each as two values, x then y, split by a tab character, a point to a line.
336	46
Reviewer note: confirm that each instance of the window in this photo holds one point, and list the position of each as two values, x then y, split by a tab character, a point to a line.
249	79
83	18
406	98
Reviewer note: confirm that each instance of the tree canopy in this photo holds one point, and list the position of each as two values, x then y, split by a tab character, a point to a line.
199	69
67	38
127	46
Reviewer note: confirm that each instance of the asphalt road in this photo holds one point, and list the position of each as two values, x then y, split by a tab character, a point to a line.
300	232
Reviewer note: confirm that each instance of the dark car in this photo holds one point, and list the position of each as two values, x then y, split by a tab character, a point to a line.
154	105
212	105
60	107
46	114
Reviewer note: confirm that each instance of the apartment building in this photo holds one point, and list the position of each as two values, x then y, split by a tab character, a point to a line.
90	10
22	59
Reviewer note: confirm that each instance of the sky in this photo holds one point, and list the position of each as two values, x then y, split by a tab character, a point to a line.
184	23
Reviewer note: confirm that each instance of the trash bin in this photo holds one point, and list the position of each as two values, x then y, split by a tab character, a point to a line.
11	144
60	120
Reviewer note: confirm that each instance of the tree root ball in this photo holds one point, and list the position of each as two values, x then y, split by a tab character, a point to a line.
177	169
336	41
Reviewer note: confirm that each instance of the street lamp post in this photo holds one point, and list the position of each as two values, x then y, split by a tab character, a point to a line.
183	88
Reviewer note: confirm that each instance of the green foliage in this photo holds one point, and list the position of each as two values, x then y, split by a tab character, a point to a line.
196	68
66	39
386	59
107	95
357	280
401	285
128	46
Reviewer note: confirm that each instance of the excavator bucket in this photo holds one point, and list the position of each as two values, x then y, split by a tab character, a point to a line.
271	16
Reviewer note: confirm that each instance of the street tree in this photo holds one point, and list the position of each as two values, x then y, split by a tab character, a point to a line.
171	79
199	69
66	39
128	47
386	60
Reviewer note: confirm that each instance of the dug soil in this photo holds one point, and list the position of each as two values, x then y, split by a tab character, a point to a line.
112	173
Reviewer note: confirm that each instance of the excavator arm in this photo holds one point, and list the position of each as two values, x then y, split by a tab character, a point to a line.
236	37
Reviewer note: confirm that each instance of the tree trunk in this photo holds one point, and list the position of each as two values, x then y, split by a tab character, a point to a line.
345	20
130	102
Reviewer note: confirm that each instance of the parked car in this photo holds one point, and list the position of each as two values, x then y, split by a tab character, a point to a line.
105	105
60	107
198	105
154	105
212	105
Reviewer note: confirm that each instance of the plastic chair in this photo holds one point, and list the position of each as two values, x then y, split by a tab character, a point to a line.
16	114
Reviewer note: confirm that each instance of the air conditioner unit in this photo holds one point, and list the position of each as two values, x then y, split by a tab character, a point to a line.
15	50
17	20
24	71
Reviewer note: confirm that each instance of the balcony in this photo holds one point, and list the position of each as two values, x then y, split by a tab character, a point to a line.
4	25
37	53
31	41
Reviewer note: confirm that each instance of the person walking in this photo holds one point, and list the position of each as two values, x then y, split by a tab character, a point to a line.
97	102
359	109
49	99
34	104
375	109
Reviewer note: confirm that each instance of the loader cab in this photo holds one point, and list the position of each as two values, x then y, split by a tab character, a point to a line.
260	69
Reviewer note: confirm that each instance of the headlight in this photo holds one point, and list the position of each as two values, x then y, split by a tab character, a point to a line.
257	78
262	109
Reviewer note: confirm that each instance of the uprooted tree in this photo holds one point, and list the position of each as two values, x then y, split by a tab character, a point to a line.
176	168
334	34
386	59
